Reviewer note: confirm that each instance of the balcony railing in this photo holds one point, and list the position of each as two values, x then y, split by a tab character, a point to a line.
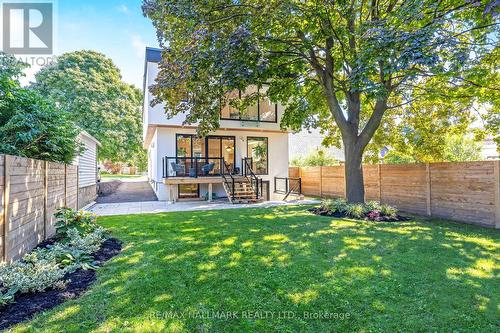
287	186
192	166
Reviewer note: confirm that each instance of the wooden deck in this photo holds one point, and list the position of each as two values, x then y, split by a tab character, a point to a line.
198	180
192	180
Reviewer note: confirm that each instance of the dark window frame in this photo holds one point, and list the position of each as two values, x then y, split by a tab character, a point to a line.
267	153
205	152
179	191
258	113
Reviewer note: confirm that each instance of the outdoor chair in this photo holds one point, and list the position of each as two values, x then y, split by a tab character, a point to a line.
207	168
178	167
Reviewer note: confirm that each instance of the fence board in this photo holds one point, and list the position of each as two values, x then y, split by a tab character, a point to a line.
30	192
333	181
464	191
2	204
311	180
404	186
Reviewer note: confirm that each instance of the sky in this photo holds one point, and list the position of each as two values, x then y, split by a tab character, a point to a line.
115	28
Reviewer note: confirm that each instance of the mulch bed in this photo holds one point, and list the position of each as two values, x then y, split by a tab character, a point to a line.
27	305
326	212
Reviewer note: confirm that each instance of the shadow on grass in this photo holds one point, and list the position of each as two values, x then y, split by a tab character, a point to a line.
179	270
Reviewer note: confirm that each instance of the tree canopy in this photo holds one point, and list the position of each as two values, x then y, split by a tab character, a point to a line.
88	86
31	125
338	65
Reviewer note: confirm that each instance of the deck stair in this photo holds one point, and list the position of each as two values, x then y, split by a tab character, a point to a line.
243	191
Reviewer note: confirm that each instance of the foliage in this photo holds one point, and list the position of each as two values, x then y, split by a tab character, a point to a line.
452	148
88	85
338	65
319	157
43	268
383	274
372	210
461	148
30	124
68	219
7	296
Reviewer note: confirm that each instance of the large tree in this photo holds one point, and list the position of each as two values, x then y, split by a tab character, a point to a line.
89	87
30	124
341	64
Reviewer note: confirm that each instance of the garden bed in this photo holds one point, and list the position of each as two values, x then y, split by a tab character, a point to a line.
27	305
370	211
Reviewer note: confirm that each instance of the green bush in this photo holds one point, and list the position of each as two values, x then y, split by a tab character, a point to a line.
356	211
387	210
370	209
42	268
68	218
335	206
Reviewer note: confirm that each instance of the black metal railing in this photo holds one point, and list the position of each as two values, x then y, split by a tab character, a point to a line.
226	171
192	166
248	173
287	186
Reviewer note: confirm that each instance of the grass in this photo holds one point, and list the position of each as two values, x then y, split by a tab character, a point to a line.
270	267
108	176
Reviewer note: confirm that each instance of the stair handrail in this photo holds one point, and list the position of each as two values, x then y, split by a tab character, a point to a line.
226	168
248	167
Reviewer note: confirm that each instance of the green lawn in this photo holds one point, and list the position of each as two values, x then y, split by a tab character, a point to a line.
416	276
108	176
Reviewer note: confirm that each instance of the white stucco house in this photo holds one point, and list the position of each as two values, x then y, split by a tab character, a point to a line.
239	161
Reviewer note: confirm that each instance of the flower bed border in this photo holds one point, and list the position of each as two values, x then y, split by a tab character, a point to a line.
29	304
324	212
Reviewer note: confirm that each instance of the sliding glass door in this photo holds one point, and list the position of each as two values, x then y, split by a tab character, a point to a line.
210	147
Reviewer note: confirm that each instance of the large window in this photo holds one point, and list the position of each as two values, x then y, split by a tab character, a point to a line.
257	150
263	110
188	145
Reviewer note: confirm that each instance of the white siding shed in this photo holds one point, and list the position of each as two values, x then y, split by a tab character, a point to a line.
87	161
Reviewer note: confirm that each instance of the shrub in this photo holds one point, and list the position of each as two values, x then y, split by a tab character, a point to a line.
372	205
356	211
371	210
387	210
68	218
42	268
335	206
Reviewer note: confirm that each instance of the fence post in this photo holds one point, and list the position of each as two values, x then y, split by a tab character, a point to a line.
77	186
6	219
65	185
379	183
45	197
428	188
321	182
497	194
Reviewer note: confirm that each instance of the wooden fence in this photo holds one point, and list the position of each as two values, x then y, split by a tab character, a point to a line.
30	192
464	191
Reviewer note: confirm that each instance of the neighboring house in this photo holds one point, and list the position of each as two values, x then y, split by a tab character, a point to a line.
489	150
306	142
87	169
246	153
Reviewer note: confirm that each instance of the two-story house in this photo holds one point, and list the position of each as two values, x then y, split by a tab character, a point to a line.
242	160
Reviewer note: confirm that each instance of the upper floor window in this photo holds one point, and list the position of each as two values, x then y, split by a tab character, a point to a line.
263	110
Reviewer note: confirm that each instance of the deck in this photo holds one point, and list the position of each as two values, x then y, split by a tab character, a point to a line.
193	180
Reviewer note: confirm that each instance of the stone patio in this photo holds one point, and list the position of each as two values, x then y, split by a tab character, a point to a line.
105	209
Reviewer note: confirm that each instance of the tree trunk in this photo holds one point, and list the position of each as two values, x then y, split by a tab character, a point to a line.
355	189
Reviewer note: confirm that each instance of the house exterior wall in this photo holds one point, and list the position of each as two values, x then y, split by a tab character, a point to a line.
159	134
165	141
